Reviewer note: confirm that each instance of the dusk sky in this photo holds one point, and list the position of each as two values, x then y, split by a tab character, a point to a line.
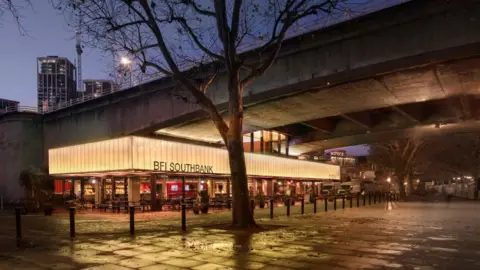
49	34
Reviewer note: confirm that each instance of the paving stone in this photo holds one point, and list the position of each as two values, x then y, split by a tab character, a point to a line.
155	257
212	266
162	267
128	252
107	267
187	263
135	262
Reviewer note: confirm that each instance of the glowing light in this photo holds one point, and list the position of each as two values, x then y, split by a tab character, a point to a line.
418	180
125	61
94	181
389	180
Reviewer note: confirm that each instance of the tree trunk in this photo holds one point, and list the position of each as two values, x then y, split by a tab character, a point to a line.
241	213
401	185
410	185
475	191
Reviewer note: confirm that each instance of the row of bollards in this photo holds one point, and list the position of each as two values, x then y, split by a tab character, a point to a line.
382	197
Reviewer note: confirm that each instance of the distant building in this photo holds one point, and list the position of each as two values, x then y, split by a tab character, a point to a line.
56	78
98	86
6	104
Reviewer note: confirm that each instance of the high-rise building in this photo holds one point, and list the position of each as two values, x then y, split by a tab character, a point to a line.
98	87
56	77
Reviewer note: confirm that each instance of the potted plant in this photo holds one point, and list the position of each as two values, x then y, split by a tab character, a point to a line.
260	198
204	201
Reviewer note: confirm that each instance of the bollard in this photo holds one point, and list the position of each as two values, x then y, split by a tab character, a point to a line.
303	206
271	208
326	205
18	225
335	203
363	199
343	202
358	200
288	207
132	220
315	206
351	203
184	217
72	222
369	198
252	206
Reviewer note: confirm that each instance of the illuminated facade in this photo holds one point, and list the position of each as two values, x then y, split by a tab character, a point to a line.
133	165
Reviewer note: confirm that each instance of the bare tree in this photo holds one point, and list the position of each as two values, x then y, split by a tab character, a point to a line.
171	36
13	8
455	155
399	155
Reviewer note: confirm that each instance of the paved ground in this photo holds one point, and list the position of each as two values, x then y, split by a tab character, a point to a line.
413	235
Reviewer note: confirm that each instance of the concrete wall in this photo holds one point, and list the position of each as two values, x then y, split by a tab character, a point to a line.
416	33
21	146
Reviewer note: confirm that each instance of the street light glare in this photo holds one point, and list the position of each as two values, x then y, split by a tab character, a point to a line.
388	179
125	61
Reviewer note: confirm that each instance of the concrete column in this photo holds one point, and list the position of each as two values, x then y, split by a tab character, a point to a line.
133	190
114	188
82	189
252	143
262	146
228	186
153	192
125	187
211	188
164	188
98	191
269	187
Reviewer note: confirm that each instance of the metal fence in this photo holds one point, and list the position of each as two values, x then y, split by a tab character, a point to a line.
30	109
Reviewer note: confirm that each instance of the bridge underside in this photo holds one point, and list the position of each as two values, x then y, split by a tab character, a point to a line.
422	100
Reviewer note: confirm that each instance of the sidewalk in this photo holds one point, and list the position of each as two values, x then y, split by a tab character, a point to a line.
382	236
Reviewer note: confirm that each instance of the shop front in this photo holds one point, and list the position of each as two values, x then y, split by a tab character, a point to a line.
138	169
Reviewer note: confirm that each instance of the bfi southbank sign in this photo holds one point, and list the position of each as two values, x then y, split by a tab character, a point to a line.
181	167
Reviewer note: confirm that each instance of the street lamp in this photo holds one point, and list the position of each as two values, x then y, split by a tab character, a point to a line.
125	61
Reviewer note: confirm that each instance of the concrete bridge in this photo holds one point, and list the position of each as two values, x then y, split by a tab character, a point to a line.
415	52
410	69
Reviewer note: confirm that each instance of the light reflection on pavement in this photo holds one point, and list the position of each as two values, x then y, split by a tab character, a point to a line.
394	236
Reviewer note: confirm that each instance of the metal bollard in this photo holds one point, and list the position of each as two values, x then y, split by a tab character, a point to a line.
271	208
335	203
72	222
351	203
303	206
184	217
315	206
132	220
343	202
18	225
288	206
363	199
252	206
326	204
358	200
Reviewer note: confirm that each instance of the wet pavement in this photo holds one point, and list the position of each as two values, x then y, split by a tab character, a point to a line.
384	236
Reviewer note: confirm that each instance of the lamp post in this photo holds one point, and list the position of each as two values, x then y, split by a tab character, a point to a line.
125	68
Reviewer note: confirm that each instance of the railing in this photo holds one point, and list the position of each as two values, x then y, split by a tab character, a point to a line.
30	109
341	15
